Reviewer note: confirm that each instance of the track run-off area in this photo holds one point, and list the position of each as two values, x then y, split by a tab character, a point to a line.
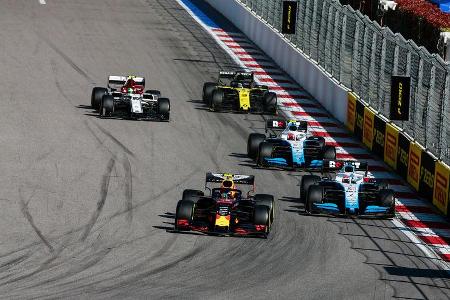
86	202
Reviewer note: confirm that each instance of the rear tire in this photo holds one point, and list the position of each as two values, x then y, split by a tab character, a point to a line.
208	89
185	211
96	97
267	200
270	102
192	195
261	216
164	109
329	152
305	183
217	100
387	199
314	195
254	139
265	150
107	106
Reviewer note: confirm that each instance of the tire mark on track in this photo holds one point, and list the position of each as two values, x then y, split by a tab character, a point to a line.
101	202
66	58
116	141
26	213
128	189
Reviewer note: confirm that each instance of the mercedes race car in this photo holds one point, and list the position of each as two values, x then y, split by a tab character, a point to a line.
237	91
354	191
125	97
226	210
294	147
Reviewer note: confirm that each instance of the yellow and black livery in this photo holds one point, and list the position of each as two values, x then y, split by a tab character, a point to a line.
237	91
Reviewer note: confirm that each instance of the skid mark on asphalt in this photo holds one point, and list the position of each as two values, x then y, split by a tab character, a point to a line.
115	140
26	213
128	189
67	59
103	194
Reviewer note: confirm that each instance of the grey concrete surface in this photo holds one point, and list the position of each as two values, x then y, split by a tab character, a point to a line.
85	202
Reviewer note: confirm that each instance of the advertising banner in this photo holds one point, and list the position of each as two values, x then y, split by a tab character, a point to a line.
359	118
427	170
351	111
441	187
415	157
368	126
403	155
289	17
400	89
379	132
390	146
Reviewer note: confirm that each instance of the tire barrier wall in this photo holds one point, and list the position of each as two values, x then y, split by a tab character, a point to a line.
418	167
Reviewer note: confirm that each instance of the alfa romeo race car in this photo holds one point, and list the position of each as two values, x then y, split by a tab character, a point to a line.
294	147
354	191
125	97
237	91
226	211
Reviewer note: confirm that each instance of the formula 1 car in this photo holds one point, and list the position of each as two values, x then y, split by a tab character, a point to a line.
354	191
226	211
125	97
293	148
237	91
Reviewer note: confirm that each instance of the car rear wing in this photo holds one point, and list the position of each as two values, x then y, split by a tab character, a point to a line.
237	178
115	81
334	165
281	124
238	75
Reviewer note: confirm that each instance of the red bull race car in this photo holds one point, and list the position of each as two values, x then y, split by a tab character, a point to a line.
226	211
126	97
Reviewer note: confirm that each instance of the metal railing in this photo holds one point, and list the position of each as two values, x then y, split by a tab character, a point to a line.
362	56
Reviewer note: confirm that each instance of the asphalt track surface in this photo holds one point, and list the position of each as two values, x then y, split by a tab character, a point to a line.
86	202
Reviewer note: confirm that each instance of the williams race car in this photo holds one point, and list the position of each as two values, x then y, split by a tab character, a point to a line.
125	97
237	91
293	148
226	211
353	192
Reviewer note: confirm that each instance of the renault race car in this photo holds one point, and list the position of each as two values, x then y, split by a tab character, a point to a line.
294	147
237	91
354	191
125	97
226	211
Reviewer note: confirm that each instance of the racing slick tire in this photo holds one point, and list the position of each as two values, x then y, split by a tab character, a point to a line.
314	195
185	211
329	152
387	199
208	89
305	183
164	109
107	106
153	92
267	200
192	195
217	100
265	150
270	102
96	97
253	142
261	216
